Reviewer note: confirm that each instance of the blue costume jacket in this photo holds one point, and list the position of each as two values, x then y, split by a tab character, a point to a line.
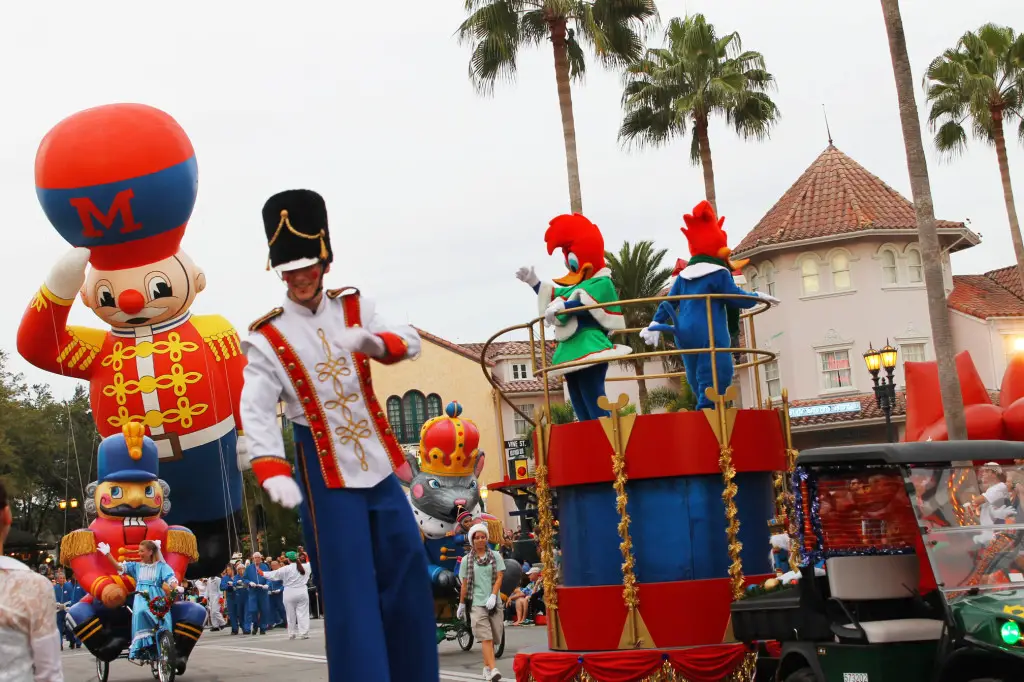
690	324
258	605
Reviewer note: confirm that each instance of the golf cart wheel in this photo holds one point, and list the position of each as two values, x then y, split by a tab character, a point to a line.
164	665
102	670
464	636
802	675
500	648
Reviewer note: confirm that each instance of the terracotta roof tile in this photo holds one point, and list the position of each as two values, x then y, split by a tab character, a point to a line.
505	348
834	196
454	347
530	386
498	349
989	295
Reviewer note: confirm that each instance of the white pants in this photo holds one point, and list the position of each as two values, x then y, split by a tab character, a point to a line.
216	618
296	608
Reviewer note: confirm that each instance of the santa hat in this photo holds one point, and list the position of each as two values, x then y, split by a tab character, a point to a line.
478	528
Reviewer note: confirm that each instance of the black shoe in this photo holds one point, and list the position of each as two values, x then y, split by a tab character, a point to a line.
263	632
179	667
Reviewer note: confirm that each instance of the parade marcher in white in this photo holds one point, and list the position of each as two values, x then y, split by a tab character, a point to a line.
314	352
212	594
295	578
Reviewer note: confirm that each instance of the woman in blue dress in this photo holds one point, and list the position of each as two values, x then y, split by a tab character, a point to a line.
153	576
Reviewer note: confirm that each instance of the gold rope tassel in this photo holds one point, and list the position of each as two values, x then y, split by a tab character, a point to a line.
732	528
285	222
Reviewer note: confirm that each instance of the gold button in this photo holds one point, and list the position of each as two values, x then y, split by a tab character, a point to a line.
387	432
300	382
314	417
380	415
356	325
319	435
291	366
305	401
280	349
366	363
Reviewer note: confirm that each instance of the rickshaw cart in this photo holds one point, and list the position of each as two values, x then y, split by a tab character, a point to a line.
924	574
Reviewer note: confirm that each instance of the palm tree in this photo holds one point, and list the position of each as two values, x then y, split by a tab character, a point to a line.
981	83
637	272
497	29
697	75
938	313
671	400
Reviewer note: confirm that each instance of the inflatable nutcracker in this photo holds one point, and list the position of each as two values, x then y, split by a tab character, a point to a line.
709	271
128	499
119	183
581	334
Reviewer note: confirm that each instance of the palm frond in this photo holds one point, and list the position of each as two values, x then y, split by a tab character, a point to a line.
494	28
951	139
576	56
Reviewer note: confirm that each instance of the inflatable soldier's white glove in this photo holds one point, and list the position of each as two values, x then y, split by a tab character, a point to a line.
556	308
358	340
771	300
68	274
650	337
180	589
529	275
491	601
242	453
103	548
461	611
283	490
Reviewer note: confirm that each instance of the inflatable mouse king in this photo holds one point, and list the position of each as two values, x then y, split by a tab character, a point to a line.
580	334
709	271
119	182
128	499
443	490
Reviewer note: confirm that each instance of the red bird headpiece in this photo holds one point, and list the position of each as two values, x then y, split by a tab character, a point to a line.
706	236
581	243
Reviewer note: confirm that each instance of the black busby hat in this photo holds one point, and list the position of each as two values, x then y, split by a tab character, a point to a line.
296	226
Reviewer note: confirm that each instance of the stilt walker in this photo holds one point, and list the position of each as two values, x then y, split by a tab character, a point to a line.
314	352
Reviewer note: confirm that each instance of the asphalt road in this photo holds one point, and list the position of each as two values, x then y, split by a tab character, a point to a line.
221	656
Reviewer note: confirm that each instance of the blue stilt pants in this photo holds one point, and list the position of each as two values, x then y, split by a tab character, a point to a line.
378	605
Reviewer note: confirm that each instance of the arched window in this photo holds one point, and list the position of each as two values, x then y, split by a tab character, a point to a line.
915	271
889	272
414	413
753	280
395	415
433	406
768	277
809	274
841	272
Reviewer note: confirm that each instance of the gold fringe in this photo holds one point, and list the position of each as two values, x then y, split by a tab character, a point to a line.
75	544
495	532
629	589
732	528
545	527
744	673
182	542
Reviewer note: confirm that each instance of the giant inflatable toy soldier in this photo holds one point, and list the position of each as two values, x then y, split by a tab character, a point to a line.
119	182
128	499
315	353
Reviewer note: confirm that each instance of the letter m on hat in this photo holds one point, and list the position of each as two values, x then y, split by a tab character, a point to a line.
121	205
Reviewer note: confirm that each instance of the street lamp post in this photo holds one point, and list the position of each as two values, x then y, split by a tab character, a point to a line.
484	492
885	388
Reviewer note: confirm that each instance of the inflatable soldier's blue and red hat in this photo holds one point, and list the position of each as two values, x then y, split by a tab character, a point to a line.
115	175
126	457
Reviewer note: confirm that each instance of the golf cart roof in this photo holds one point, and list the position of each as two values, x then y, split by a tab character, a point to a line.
927	452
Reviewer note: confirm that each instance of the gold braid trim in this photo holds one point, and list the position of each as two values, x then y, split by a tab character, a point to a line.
545	526
629	591
795	550
743	673
75	544
732	528
495	532
182	542
287	223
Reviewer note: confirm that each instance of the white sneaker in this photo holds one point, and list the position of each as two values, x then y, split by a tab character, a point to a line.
291	636
487	673
495	675
304	637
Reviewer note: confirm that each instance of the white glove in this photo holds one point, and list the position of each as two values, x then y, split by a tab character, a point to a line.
650	337
242	453
358	340
68	274
265	587
529	275
770	299
103	548
181	590
461	611
491	601
283	490
555	308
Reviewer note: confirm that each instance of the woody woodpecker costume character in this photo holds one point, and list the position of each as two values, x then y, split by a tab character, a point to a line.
119	183
316	352
581	334
709	271
128	499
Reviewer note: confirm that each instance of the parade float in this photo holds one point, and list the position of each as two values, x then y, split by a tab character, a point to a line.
118	183
659	518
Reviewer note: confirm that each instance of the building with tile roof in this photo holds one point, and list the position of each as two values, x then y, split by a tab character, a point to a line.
839	248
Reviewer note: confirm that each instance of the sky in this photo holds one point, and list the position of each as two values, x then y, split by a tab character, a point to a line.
437	195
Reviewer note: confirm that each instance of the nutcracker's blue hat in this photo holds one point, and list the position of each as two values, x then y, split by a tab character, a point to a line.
128	457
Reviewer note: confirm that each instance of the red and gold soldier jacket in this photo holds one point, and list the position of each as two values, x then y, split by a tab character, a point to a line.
182	379
78	550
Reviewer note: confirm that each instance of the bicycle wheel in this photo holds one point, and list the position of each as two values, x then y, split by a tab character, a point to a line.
500	648
165	657
464	636
102	670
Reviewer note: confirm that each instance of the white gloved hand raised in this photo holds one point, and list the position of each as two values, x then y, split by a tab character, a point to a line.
68	274
358	340
461	611
103	548
491	601
556	308
283	490
650	337
242	453
529	275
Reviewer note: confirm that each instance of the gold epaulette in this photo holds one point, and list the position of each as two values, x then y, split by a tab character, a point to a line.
495	531
219	336
335	293
182	541
266	318
75	544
